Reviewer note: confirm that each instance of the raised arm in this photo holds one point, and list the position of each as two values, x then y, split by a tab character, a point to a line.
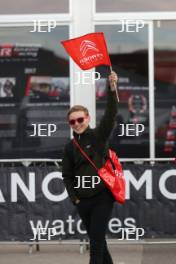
105	127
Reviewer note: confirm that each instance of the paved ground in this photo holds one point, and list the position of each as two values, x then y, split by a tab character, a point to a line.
66	254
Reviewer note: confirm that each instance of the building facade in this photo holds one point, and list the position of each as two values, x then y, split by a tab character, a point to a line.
38	81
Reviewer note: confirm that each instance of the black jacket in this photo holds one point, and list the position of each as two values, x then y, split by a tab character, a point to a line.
94	143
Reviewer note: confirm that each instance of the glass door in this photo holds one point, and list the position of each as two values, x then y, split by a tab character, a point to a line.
128	49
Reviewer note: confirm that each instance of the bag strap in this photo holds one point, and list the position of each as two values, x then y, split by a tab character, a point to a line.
84	154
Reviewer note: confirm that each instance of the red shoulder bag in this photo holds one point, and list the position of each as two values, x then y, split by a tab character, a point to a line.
111	173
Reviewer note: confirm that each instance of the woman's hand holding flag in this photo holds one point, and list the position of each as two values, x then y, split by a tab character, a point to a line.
113	79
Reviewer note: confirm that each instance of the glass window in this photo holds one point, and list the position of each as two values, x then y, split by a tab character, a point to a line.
135	6
129	57
34	93
165	88
34	7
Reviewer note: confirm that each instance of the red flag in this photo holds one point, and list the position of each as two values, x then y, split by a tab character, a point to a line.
88	51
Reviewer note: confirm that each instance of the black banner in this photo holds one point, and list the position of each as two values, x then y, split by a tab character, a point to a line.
35	198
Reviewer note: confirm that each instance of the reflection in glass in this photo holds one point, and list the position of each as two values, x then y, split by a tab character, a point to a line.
165	89
135	6
34	7
129	57
34	89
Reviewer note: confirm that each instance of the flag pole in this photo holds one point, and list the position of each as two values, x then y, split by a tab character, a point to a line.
115	86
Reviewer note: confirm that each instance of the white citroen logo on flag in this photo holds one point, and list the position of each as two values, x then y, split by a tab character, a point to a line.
87	45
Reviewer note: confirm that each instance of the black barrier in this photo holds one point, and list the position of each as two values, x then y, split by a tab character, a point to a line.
34	198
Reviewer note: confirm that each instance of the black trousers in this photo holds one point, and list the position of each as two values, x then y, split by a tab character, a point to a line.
95	213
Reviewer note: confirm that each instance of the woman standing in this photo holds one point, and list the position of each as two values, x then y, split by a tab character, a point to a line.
86	190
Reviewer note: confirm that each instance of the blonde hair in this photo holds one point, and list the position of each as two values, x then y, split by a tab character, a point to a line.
77	108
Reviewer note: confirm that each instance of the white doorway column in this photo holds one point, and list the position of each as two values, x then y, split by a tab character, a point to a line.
82	23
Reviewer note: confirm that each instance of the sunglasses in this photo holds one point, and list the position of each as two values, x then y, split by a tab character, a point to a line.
80	120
